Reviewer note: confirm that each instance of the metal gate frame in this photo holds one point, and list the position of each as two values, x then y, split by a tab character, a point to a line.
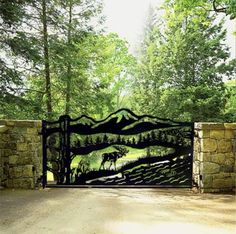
173	134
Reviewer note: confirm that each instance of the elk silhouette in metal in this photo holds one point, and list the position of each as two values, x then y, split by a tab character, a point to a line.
113	156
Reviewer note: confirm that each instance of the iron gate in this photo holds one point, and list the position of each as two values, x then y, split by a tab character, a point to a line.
121	150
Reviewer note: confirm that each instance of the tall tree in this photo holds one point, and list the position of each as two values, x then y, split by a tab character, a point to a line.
26	47
101	70
69	75
37	28
75	27
17	52
44	21
187	62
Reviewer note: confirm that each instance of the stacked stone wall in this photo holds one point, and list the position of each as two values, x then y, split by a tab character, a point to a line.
20	153
214	165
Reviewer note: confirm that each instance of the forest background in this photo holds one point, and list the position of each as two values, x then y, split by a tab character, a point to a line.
56	58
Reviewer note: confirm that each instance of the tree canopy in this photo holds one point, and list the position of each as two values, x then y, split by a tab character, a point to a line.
56	58
227	7
182	68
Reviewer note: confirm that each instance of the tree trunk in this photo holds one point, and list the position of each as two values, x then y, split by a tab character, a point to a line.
46	61
69	74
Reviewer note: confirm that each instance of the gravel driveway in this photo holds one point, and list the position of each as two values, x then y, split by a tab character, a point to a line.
113	211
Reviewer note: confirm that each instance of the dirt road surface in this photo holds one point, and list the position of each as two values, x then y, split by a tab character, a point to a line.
116	211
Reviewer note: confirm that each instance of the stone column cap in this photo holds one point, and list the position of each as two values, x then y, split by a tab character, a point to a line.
21	123
214	126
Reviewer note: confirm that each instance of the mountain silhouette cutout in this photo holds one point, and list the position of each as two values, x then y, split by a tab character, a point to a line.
121	122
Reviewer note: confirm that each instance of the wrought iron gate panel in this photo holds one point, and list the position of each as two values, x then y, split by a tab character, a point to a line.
123	149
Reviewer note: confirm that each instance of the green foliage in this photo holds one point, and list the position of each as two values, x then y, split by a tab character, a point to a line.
230	108
181	66
227	7
182	69
87	71
13	56
12	12
193	103
101	69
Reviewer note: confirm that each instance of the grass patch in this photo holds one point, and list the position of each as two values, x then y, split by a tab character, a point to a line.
49	176
95	158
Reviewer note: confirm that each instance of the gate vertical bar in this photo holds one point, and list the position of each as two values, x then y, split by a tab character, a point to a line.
44	136
192	152
67	144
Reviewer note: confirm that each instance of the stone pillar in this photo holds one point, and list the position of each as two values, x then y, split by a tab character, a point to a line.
214	165
20	153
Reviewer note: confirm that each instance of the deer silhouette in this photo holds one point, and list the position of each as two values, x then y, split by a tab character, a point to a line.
113	156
